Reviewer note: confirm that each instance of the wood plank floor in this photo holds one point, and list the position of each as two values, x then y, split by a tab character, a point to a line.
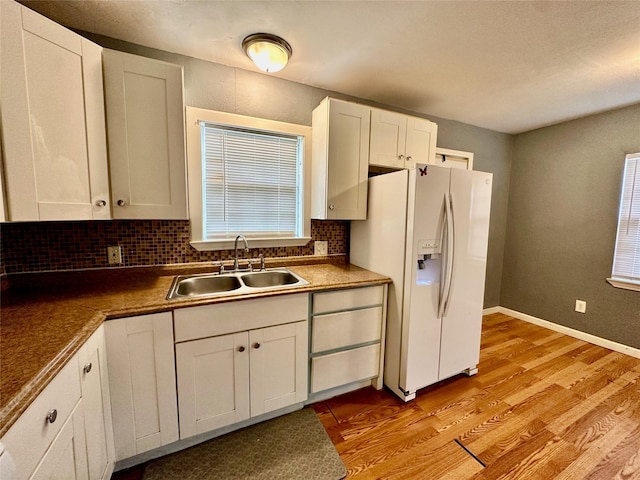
543	406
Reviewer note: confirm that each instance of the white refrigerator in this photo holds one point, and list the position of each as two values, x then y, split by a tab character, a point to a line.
427	229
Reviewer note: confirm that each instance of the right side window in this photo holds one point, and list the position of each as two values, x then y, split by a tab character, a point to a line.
626	260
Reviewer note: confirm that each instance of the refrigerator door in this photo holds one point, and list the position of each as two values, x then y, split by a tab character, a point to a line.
428	187
470	195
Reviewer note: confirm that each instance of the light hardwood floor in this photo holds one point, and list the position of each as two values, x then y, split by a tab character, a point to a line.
543	406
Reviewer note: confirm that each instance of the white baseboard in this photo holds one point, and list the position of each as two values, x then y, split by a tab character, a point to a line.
587	337
490	310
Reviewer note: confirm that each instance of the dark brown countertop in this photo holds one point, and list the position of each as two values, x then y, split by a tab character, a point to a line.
43	325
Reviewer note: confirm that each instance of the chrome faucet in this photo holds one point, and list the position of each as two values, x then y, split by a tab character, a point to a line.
235	246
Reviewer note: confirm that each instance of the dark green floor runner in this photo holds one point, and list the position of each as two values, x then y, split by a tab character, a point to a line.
294	446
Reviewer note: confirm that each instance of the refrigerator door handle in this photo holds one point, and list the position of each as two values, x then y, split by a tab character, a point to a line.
443	271
447	257
451	235
443	261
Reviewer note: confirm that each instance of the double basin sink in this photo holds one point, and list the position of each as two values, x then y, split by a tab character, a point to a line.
207	285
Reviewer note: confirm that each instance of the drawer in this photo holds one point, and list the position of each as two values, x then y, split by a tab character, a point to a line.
338	369
210	320
347	299
28	439
337	330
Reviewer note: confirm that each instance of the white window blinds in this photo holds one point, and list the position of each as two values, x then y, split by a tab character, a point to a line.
250	183
626	262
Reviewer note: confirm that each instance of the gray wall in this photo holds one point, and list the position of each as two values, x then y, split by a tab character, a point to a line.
217	87
562	220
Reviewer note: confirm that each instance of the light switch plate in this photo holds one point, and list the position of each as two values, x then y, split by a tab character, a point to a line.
320	247
581	306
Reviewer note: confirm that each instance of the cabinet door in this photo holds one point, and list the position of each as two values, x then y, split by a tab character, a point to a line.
340	160
52	120
213	382
95	397
278	366
388	134
66	458
421	141
145	120
141	364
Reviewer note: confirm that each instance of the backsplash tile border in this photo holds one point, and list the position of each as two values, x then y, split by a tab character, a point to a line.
75	245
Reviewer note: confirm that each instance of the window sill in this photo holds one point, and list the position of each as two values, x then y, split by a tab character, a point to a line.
626	284
227	244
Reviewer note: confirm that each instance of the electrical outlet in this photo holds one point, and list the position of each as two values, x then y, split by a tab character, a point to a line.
581	306
320	247
114	254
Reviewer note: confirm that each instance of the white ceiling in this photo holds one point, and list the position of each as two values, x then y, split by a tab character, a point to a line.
510	66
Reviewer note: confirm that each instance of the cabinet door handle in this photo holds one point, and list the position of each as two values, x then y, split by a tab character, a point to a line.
332	207
256	345
87	367
101	203
401	156
409	158
52	415
241	348
121	202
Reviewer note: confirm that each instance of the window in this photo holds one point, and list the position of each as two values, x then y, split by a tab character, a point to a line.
626	260
247	176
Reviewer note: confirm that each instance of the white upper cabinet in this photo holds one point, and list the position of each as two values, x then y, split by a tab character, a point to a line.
53	129
400	141
145	124
340	160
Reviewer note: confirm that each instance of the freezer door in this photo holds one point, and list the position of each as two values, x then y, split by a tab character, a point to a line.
428	187
470	196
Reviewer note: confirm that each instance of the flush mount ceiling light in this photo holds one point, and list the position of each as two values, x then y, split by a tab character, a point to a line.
269	52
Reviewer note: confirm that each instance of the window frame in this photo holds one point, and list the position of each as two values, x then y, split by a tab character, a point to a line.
194	177
618	282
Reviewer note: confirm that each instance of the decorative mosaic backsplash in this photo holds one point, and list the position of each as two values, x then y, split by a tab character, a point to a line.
44	246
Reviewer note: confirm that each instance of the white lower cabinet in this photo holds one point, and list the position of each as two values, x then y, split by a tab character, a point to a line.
66	458
94	382
140	359
213	381
65	433
347	337
278	366
230	376
29	442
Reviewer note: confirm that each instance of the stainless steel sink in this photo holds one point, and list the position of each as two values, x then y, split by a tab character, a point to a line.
269	279
203	285
209	285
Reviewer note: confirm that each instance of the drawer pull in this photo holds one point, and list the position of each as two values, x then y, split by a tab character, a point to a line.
256	345
87	367
241	348
52	415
